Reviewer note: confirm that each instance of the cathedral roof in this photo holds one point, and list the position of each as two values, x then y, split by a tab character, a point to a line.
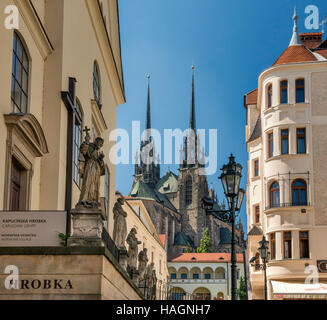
168	183
141	190
225	236
255	231
182	239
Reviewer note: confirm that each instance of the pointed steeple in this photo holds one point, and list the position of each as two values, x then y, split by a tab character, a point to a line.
295	37
192	113
148	112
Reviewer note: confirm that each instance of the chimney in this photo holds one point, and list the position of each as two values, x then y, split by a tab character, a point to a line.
311	40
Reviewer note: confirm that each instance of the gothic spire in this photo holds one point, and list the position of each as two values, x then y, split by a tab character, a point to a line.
192	113
295	37
148	112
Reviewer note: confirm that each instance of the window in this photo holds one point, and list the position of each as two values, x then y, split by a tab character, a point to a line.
107	190
270	145
269	96
283	92
195	276
207	276
257	262
272	246
300	95
77	142
284	141
15	186
274	195
299	193
96	83
19	77
300	141
287	245
173	276
304	245
256	167
188	191
184	276
257	213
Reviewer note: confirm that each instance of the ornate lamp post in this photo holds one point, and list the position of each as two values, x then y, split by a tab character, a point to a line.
264	254
230	177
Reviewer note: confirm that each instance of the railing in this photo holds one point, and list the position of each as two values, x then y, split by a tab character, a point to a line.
110	244
203	281
289	204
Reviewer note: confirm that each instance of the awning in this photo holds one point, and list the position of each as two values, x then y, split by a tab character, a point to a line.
299	290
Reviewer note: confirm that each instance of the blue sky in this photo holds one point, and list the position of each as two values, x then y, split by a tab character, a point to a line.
230	43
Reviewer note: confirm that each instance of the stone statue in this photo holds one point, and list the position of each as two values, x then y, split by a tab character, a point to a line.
154	285
133	249
149	280
143	261
120	227
91	168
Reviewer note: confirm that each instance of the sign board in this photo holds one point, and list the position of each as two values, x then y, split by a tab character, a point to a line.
31	228
322	266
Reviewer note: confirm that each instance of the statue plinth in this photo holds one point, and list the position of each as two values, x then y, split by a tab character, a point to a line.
86	228
123	256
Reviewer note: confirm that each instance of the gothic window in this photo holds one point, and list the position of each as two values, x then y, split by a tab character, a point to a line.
19	77
77	141
299	193
283	92
96	82
274	195
188	191
300	95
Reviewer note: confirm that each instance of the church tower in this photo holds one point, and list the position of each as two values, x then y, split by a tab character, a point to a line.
146	167
192	186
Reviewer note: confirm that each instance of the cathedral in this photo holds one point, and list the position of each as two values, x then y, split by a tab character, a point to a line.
174	201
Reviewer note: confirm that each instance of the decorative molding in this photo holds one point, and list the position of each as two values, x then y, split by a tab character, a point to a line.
34	24
106	50
98	116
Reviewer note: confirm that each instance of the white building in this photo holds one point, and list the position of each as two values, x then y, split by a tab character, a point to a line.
202	276
286	136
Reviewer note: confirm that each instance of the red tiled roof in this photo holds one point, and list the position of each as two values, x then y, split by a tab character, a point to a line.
322	52
295	54
251	97
162	238
311	40
204	257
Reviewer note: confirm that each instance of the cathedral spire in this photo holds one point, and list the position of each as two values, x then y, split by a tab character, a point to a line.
295	37
192	113
148	113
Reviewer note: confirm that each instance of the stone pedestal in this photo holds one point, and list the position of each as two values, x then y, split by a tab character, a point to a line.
123	255
86	228
134	274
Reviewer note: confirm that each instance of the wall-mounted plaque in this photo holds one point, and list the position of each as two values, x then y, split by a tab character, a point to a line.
31	228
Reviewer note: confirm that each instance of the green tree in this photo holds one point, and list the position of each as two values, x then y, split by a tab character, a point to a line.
188	249
205	244
241	291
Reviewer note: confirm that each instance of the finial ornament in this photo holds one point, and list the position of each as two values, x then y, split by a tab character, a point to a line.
295	37
193	66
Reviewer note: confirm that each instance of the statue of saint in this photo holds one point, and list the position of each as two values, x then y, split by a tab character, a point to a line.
133	249
120	227
91	168
143	260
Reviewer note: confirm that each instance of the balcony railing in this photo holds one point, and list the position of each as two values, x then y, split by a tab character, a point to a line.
289	204
203	281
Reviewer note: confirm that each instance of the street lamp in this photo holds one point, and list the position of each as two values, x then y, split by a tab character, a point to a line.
264	254
230	178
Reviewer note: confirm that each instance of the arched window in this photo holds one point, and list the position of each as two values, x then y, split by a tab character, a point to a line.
283	92
257	262
78	125
96	83
299	193
188	191
300	92
269	95
274	195
19	77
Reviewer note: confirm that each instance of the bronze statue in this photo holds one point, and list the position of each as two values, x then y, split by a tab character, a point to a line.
133	249
120	227
91	168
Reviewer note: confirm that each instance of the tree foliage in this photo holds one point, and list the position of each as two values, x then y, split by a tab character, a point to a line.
241	291
205	244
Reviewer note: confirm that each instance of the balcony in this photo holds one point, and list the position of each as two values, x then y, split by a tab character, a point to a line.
197	281
288	205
